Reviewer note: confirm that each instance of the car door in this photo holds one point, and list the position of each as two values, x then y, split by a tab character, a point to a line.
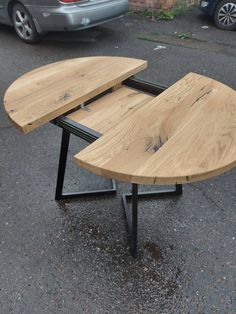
2	10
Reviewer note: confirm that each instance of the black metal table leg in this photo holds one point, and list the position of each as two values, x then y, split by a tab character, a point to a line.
60	195
132	218
65	139
134	239
178	189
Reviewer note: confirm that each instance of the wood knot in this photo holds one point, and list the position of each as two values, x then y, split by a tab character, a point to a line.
153	145
65	97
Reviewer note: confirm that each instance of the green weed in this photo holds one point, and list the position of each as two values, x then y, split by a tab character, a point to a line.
178	9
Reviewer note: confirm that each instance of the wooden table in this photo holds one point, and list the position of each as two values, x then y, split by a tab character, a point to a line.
143	133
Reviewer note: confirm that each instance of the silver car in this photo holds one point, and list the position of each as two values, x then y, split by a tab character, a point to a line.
34	17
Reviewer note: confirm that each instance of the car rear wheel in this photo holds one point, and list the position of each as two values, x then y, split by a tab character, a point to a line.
24	24
225	15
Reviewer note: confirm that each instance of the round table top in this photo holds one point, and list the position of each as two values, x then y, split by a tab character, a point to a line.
186	134
47	92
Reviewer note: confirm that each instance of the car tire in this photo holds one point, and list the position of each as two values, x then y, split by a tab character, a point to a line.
225	15
24	24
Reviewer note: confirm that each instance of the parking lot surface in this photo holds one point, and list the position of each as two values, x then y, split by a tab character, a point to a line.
73	257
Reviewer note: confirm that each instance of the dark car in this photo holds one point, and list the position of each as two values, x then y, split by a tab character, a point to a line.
34	17
222	11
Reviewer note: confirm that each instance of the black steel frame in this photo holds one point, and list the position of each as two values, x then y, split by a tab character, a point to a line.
71	127
67	129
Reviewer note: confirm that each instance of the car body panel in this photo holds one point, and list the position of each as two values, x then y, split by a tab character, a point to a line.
209	8
3	11
51	15
223	12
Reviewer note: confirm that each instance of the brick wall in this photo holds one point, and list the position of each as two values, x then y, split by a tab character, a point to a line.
154	4
151	4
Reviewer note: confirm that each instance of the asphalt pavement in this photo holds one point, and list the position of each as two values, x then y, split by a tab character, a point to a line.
73	257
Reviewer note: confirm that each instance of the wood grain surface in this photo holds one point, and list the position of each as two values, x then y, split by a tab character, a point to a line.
104	113
47	92
186	134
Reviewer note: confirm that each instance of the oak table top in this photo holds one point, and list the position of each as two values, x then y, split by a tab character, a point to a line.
185	134
49	91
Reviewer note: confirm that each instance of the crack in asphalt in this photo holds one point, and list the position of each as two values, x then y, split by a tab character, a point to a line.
207	197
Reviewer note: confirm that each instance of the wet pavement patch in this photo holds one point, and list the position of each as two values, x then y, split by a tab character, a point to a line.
154	250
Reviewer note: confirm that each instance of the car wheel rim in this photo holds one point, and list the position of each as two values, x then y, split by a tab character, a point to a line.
22	25
227	14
